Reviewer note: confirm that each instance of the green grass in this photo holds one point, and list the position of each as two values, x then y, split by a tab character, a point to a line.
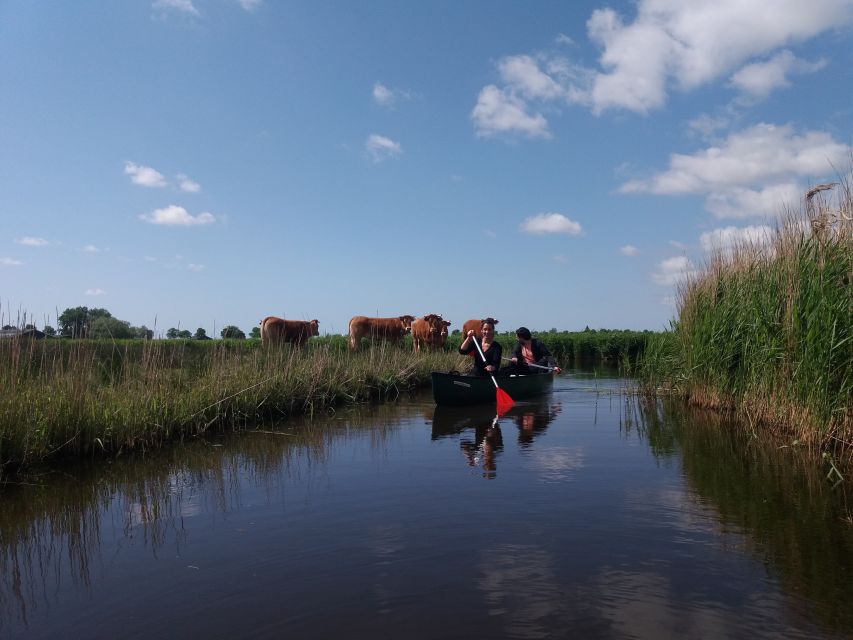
87	397
767	332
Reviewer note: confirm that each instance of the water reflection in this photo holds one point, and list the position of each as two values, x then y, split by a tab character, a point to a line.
482	450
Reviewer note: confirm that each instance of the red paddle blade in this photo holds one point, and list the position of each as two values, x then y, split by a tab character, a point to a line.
505	402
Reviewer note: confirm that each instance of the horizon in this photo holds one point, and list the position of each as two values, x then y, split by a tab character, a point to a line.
204	163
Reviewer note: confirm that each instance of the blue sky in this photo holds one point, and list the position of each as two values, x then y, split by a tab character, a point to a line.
199	163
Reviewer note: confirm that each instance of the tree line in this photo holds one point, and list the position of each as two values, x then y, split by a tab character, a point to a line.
83	322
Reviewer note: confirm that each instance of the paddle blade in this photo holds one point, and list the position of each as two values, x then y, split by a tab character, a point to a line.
505	402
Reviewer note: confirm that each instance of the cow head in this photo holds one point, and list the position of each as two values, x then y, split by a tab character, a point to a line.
407	323
444	325
314	328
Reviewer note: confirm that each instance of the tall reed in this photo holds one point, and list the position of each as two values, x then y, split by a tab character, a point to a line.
78	397
766	329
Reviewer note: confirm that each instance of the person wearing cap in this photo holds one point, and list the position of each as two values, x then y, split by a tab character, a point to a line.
528	351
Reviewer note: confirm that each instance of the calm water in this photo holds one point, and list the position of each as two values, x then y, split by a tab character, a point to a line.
582	514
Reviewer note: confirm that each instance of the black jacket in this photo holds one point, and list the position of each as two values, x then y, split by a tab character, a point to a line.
493	357
541	355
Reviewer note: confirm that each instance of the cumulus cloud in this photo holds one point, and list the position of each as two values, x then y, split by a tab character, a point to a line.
187	185
753	172
6	261
176	216
667	45
180	6
727	238
94	292
629	250
503	112
30	241
144	176
90	248
379	147
673	270
550	223
757	80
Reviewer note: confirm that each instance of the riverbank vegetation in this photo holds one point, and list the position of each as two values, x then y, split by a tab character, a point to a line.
86	397
765	329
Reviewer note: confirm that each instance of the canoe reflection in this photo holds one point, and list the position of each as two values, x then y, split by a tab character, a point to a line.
531	419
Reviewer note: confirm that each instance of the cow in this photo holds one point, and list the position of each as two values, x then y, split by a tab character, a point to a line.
390	329
476	325
429	332
277	330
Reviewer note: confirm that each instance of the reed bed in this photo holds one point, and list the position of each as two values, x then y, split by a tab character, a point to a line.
765	330
87	397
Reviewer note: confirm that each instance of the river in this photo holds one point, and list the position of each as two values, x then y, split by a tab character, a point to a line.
585	513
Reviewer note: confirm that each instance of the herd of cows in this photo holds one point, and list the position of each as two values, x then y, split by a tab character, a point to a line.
428	332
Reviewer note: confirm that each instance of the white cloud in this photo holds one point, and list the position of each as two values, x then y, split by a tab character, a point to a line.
10	262
562	38
629	250
757	80
705	125
678	245
90	248
187	185
752	172
181	6
523	75
561	259
386	97
94	292
197	268
174	215
502	112
673	270
250	5
666	45
379	147
727	238
490	233
550	223
739	202
29	241
144	176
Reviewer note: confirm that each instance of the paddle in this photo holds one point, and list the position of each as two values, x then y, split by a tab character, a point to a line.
504	400
538	366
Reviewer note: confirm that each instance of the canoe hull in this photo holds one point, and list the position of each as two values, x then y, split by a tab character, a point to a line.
455	390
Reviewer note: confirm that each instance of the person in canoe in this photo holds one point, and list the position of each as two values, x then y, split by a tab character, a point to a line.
492	350
530	351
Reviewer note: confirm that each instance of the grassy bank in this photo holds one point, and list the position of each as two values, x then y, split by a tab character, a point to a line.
81	397
766	330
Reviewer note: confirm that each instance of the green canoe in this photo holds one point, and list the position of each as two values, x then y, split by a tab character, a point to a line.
453	389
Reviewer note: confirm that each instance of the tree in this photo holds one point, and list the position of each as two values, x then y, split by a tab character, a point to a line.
109	327
74	321
185	334
7	327
172	333
201	334
233	332
48	330
143	332
255	333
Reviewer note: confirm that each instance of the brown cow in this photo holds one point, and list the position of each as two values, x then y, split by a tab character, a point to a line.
277	330
430	332
477	326
390	329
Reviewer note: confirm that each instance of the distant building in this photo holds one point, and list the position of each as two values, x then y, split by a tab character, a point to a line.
21	333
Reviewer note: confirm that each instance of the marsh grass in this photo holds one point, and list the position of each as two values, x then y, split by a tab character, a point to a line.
87	397
765	331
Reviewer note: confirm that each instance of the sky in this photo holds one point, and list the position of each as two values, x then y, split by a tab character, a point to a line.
203	163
